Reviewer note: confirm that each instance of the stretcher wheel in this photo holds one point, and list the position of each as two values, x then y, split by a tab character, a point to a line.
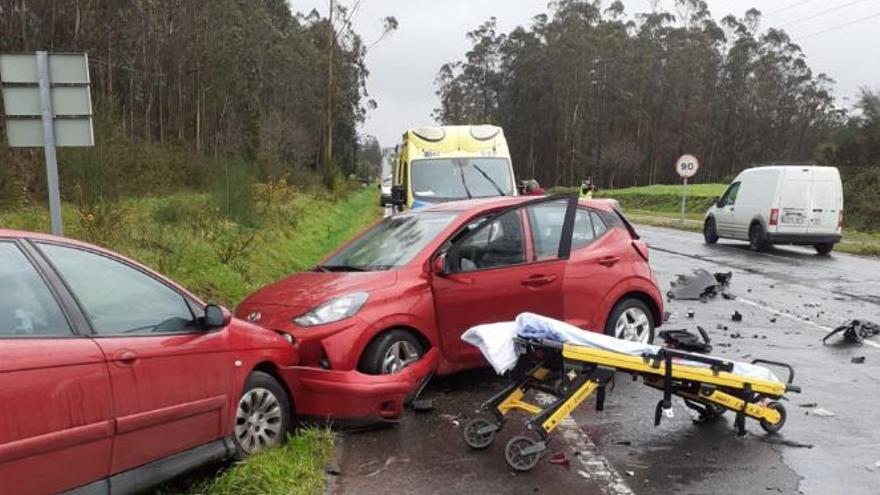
516	459
474	437
771	428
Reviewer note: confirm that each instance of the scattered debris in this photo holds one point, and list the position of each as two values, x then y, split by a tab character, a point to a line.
690	312
737	316
623	442
583	474
812	305
857	359
700	285
560	459
728	296
855	331
422	405
821	412
736	335
687	341
809	404
787	443
332	470
630	473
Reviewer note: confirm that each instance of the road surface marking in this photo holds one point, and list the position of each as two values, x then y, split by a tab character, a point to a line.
593	463
790	316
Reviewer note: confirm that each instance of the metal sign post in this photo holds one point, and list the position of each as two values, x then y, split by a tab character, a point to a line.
686	166
47	104
49	142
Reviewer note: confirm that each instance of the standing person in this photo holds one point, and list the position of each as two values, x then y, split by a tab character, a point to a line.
586	191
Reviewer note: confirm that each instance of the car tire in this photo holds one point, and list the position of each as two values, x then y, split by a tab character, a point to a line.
390	352
632	310
757	237
710	233
823	248
262	416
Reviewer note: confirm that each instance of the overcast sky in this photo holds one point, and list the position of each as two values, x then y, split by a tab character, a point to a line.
432	32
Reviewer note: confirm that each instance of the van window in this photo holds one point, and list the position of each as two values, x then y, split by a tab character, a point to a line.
729	197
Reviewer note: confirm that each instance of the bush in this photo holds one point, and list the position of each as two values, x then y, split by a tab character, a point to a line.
862	200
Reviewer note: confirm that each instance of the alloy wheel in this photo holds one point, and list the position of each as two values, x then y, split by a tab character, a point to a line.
633	325
258	420
400	355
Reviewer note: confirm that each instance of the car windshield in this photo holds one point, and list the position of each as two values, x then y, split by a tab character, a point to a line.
443	179
391	243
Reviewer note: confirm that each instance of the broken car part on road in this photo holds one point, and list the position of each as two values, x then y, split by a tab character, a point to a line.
561	360
701	285
855	331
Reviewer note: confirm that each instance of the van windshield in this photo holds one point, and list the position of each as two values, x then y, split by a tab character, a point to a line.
445	179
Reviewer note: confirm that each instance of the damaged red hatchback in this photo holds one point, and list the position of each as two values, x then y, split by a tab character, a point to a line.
378	316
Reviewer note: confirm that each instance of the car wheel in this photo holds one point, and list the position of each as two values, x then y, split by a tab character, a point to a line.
391	352
757	238
710	234
631	320
823	248
262	418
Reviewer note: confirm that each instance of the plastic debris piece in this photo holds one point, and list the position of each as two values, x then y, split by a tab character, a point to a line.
809	404
560	459
701	284
690	312
422	405
821	412
858	359
737	316
855	331
630	473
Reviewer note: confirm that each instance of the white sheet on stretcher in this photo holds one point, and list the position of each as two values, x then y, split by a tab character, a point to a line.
495	341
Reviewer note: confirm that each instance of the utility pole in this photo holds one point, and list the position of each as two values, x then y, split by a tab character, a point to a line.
328	97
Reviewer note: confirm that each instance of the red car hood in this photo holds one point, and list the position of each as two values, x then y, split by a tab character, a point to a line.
306	290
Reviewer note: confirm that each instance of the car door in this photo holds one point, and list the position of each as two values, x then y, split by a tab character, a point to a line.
56	417
725	212
171	379
512	262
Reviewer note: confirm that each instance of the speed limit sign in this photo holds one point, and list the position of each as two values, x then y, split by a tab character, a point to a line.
686	166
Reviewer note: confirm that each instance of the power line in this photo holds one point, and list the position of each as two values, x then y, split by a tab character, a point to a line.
839	26
818	14
789	7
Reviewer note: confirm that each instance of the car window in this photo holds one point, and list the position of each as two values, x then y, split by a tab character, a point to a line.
546	220
583	229
599	226
117	298
27	307
494	244
729	197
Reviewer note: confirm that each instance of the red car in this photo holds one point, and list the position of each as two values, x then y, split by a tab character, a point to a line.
378	316
113	378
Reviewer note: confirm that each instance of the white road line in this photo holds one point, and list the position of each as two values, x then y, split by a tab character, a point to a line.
790	316
593	465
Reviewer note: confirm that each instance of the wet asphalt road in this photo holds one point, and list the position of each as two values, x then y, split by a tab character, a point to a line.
789	299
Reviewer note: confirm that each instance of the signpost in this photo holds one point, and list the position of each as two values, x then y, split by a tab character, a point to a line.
686	166
47	103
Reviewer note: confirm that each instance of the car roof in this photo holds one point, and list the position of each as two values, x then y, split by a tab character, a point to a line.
484	204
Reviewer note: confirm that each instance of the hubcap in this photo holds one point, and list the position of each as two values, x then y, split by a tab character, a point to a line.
633	325
258	420
400	355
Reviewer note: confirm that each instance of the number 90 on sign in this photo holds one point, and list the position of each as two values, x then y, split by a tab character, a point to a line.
686	166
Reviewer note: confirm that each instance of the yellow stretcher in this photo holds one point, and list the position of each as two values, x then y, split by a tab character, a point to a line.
571	373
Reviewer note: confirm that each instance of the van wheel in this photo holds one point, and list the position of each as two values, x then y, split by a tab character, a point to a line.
631	320
757	238
823	248
710	234
391	352
262	418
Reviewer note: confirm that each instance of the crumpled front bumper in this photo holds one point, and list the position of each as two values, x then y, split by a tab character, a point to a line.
352	395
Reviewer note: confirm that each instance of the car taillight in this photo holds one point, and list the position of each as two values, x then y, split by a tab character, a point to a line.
840	219
774	216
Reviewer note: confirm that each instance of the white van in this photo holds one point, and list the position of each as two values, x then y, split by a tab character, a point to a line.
792	204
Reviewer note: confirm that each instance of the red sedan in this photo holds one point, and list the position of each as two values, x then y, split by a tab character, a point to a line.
375	318
113	378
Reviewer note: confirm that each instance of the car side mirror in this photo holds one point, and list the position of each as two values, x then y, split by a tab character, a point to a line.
438	265
216	316
398	195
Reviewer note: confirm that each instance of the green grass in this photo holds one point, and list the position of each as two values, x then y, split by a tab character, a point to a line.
184	237
296	468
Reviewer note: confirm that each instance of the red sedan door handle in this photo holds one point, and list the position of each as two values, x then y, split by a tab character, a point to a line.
609	261
125	358
538	280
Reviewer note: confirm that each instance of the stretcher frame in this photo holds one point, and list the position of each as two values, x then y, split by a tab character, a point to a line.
572	373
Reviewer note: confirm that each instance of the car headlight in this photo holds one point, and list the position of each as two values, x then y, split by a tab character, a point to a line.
338	308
